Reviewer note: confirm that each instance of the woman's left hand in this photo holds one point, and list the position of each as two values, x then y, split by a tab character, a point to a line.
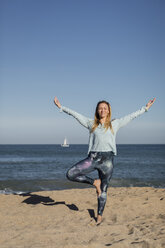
149	104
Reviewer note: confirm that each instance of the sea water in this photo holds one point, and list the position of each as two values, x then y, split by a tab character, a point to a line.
29	168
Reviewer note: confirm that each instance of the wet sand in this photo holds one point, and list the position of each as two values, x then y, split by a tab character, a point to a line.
133	217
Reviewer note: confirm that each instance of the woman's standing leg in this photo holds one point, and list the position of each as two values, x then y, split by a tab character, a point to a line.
105	174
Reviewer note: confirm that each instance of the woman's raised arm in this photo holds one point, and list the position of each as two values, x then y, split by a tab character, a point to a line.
86	122
126	119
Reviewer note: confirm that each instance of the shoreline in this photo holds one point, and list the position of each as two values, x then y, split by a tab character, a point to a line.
133	217
19	192
21	186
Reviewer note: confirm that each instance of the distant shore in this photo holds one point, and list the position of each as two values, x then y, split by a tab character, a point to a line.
133	217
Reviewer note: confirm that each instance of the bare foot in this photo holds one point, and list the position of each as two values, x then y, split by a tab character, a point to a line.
97	184
99	220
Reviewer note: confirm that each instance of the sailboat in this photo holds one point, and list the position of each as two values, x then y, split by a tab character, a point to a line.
65	144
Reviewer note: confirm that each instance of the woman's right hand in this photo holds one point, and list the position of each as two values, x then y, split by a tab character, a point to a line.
149	104
57	103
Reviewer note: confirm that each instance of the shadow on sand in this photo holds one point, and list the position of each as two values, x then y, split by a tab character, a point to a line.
92	214
45	200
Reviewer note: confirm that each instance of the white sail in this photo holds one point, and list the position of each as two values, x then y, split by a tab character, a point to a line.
65	144
65	141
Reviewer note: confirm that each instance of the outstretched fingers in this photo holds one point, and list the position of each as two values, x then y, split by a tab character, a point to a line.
149	104
57	103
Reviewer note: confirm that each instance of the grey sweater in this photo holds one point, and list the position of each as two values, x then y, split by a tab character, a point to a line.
101	140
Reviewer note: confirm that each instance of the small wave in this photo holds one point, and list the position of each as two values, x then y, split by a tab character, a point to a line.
7	191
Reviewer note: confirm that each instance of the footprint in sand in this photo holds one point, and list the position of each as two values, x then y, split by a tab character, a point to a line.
117	241
130	230
114	218
143	244
161	216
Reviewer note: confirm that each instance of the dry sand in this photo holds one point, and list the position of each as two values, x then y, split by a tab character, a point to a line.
133	217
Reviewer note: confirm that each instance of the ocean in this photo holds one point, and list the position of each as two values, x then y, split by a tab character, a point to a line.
31	168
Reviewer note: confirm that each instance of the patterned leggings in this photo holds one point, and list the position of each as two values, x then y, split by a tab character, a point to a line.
100	161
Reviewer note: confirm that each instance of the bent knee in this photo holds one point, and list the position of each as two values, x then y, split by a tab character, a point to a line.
69	175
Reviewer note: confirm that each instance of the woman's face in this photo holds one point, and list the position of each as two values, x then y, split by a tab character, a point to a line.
103	110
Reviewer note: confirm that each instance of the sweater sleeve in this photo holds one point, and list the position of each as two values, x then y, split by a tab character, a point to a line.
126	119
84	121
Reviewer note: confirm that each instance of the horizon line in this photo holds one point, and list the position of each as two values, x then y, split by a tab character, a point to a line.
87	144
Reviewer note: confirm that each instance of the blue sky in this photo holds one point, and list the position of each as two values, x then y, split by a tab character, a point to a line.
81	51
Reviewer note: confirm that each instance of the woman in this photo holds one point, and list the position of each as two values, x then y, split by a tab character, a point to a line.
102	148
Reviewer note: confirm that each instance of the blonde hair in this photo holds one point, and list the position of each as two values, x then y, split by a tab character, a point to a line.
107	123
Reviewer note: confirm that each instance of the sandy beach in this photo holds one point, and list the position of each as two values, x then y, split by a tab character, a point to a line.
133	217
